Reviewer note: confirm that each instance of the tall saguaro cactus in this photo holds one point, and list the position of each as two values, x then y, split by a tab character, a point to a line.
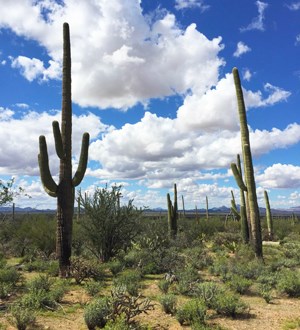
64	190
172	214
249	186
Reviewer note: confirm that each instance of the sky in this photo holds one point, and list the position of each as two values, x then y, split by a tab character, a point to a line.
152	84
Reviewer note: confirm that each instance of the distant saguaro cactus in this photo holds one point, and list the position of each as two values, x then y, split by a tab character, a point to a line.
172	214
249	185
269	217
64	190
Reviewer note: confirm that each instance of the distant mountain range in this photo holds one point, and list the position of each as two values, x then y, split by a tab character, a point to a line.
222	209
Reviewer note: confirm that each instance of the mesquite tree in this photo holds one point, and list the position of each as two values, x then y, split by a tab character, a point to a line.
249	185
64	190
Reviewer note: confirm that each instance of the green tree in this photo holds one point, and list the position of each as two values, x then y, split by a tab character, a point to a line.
108	226
8	192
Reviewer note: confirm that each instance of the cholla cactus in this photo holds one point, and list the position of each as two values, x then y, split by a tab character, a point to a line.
64	190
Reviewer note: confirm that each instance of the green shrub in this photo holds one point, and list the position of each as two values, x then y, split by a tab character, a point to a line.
187	279
229	304
21	317
207	292
5	290
130	279
239	283
164	286
168	303
93	288
116	267
289	282
265	291
9	275
42	282
193	311
97	312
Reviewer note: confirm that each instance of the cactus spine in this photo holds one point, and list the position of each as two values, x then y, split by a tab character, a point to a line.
249	185
64	190
172	214
269	217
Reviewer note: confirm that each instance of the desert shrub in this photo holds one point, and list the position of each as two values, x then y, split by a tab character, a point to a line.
229	304
93	288
9	275
21	317
198	257
265	291
193	311
130	280
187	279
289	282
221	267
45	266
168	303
164	286
97	312
118	324
239	283
82	269
5	290
116	267
43	292
227	240
207	292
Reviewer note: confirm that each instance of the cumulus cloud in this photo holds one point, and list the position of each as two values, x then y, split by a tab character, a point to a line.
258	21
19	136
241	49
280	176
186	4
119	58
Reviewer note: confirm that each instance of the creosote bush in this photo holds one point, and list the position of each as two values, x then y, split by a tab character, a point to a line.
168	303
193	311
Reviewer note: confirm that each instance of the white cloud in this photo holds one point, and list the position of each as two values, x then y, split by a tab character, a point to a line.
276	94
145	60
186	4
280	176
241	48
247	75
297	42
257	22
21	135
294	6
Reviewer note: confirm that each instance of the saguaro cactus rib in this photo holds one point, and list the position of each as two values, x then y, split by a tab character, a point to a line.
255	225
64	191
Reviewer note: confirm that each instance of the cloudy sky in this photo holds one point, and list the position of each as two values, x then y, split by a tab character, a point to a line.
152	84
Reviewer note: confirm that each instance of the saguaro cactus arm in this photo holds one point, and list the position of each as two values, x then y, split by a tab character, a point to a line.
58	140
82	160
49	184
238	177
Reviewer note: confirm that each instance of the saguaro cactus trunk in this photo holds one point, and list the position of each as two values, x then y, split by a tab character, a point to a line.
249	185
64	190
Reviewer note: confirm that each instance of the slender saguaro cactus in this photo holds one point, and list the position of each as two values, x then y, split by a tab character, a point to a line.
207	213
183	208
64	190
172	214
269	217
249	185
237	168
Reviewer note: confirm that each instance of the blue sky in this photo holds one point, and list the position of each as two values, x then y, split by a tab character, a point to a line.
152	84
